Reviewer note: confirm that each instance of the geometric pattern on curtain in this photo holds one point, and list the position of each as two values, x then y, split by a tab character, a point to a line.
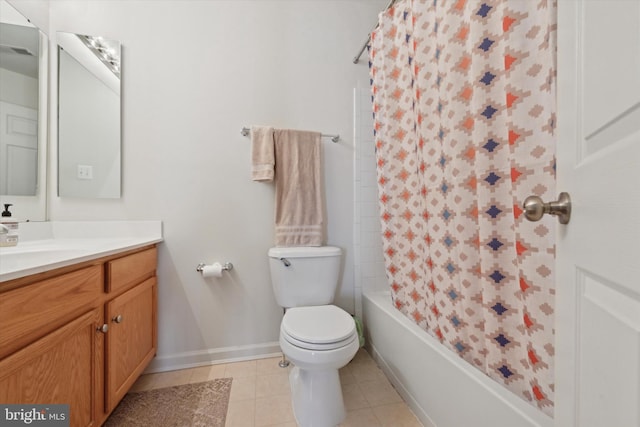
464	121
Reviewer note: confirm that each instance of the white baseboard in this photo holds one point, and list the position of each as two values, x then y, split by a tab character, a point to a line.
193	359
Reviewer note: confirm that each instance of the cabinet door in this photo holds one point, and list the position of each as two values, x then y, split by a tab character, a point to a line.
131	340
60	368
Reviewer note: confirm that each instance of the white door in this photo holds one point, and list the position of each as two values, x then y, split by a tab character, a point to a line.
598	258
18	150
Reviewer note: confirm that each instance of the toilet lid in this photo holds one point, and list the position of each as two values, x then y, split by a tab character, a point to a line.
322	324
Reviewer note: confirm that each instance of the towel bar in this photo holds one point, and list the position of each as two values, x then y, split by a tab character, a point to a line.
334	138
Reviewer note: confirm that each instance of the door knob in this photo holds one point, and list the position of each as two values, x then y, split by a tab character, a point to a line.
535	208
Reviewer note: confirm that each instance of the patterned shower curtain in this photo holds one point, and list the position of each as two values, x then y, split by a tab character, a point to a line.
464	113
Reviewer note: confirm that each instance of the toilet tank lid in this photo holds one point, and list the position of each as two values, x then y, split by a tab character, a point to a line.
304	251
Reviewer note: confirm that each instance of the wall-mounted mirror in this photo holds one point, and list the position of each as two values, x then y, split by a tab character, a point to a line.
23	112
89	149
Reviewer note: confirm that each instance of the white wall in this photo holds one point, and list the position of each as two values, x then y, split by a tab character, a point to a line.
18	89
195	73
37	11
370	272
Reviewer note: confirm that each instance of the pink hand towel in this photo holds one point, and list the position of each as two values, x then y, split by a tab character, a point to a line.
299	203
262	153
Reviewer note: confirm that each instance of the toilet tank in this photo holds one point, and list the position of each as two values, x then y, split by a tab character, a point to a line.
310	278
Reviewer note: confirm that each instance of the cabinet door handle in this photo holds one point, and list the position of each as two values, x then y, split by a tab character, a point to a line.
104	328
118	318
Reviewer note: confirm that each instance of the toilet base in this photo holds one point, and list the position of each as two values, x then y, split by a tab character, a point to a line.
317	397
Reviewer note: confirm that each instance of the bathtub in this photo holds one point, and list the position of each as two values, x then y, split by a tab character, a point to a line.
441	388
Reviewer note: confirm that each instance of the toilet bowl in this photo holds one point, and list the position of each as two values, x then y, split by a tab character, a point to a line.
319	340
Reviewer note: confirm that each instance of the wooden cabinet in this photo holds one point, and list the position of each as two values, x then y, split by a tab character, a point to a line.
130	341
80	336
61	367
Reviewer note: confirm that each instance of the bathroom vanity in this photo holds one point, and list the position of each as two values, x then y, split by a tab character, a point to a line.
80	333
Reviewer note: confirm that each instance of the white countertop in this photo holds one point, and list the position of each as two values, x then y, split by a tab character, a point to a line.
48	245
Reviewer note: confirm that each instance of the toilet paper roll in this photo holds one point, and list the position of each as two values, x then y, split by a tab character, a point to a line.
212	270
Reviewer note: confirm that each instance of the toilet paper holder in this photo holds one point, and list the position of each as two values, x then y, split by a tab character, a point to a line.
227	266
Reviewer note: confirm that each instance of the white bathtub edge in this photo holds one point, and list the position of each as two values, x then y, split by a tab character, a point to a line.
526	413
408	398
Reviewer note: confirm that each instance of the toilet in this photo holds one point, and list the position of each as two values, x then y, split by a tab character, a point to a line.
318	337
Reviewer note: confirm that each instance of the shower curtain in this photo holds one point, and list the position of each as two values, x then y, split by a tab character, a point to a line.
464	118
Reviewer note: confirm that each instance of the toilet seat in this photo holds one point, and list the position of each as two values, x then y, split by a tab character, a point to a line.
320	347
324	327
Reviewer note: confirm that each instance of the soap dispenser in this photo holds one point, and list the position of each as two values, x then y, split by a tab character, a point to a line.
8	228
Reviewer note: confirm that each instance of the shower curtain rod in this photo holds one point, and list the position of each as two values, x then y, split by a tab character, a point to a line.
335	138
366	42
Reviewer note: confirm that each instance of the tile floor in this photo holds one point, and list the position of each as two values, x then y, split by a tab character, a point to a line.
260	393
